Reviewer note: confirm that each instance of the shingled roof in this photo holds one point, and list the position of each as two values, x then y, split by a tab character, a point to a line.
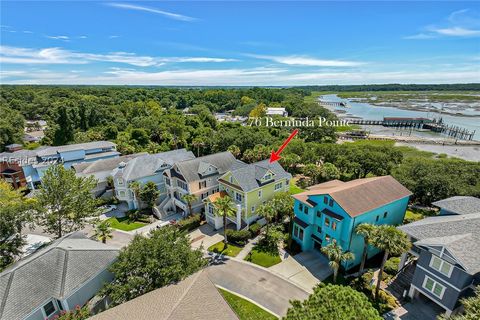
249	176
88	168
191	169
53	272
459	204
359	196
148	164
196	297
457	233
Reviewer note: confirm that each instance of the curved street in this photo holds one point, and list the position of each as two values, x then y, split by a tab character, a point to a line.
265	288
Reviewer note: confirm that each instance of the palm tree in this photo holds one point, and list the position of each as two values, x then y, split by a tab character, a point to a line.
365	230
392	241
268	212
225	207
103	232
189	199
336	256
135	186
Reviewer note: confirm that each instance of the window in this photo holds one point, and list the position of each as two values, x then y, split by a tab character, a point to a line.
278	186
376	219
319	214
238	196
60	306
327	237
334	225
267	177
202	184
210	209
231	179
441	266
122	193
295	231
330	203
253	208
182	185
319	229
327	222
204	195
300	235
300	206
385	214
259	193
325	200
434	287
167	181
49	309
305	209
120	182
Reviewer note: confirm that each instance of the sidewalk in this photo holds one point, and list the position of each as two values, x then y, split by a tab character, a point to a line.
247	248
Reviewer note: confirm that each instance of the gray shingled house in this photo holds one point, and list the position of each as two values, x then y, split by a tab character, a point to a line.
66	273
446	251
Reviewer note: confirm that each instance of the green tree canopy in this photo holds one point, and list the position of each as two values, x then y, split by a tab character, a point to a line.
148	263
333	302
64	201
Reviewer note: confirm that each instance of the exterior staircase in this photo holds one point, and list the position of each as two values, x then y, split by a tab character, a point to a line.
162	211
402	280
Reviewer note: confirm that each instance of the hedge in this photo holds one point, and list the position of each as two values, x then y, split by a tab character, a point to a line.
190	223
238	237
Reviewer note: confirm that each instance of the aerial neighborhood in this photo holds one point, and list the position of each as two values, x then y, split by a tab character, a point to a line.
239	160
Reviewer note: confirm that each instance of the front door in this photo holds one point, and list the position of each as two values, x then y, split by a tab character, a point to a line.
317	245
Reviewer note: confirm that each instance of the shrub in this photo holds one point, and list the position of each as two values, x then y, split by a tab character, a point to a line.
391	266
238	237
79	313
295	248
255	229
189	223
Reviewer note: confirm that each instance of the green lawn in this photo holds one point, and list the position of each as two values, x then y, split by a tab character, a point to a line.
232	250
263	258
411	216
125	224
244	309
293	188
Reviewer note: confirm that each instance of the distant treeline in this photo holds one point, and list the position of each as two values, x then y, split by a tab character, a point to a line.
396	87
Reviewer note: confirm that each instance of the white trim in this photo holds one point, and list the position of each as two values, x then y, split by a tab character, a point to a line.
442	262
443	281
434	300
433	286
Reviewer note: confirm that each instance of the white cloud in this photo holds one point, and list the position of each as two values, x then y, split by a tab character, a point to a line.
457	32
421	36
167	14
113	37
82	37
15	55
64	38
307	61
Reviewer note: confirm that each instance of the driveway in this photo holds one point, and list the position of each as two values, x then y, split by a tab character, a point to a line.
205	235
419	308
265	288
305	269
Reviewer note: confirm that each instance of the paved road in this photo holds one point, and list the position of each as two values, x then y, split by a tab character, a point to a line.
261	286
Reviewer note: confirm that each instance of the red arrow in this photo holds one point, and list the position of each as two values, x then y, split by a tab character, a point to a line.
275	156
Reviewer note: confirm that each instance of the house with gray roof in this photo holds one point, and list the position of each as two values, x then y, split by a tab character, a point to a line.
196	297
66	273
197	176
250	186
446	253
143	169
30	165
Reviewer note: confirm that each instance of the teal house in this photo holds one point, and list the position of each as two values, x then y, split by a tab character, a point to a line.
333	209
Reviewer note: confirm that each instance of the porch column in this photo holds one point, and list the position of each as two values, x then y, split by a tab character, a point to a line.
403	260
239	217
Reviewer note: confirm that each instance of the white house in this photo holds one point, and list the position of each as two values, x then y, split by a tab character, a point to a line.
277	112
67	273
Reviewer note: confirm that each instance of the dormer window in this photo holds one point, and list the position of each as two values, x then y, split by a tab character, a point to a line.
267	177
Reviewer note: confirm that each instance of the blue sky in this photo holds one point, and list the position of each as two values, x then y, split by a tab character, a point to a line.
239	43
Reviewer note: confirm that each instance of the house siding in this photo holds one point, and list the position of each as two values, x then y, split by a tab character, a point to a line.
344	233
459	279
89	289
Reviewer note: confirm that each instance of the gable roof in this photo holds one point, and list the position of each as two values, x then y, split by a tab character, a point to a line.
53	272
457	233
459	204
88	168
248	176
359	196
196	297
148	164
190	169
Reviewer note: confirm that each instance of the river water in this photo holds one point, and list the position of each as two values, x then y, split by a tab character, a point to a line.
371	112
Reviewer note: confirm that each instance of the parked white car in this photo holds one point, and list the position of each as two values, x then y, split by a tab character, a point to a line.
108	208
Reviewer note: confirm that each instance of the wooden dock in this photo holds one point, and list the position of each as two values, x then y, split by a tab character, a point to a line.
419	123
333	103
